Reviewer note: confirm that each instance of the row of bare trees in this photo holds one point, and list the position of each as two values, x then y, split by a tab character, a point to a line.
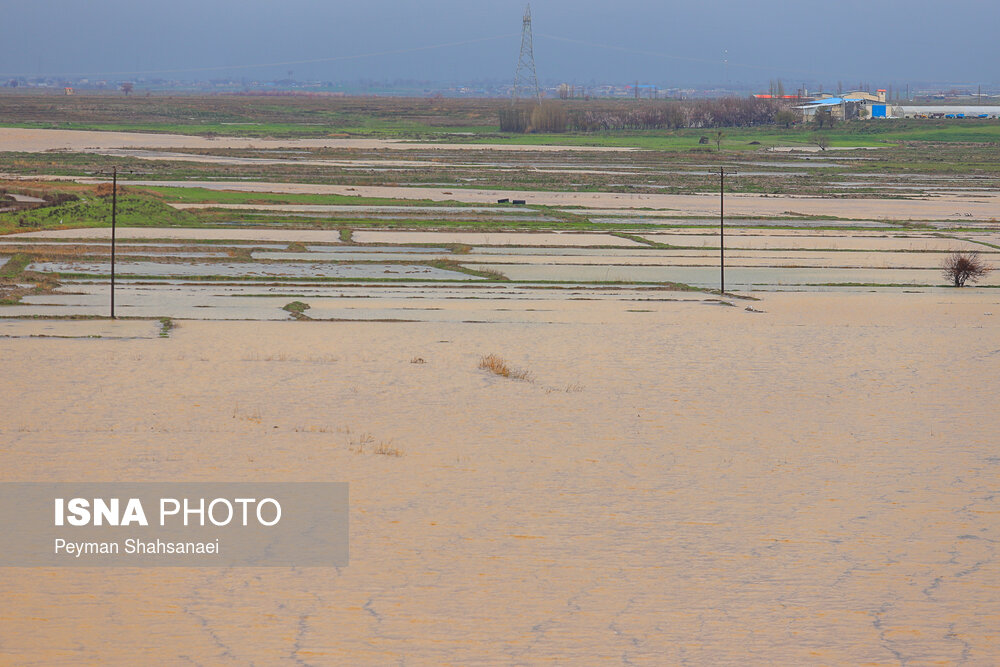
667	115
538	118
732	112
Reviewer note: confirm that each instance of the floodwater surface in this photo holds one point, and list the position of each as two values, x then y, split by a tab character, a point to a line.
814	483
254	269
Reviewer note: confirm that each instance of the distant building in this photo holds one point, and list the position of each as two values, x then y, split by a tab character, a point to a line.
854	105
859	105
878	96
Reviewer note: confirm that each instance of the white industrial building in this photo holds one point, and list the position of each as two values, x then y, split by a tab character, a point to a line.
945	111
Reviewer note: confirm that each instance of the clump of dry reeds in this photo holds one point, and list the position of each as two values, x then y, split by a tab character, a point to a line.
568	389
386	449
358	442
495	364
252	415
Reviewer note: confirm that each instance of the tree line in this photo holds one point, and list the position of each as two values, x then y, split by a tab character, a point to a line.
667	115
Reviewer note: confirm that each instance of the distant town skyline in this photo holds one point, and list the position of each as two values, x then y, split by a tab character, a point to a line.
666	43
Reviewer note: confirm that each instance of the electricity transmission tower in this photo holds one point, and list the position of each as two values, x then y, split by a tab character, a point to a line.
525	78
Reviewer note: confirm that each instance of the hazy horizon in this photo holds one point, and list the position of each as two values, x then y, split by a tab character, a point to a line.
668	44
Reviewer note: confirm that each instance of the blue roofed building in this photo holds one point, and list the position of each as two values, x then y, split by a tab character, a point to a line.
848	106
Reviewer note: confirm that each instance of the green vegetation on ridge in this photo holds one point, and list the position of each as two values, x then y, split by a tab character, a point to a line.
133	210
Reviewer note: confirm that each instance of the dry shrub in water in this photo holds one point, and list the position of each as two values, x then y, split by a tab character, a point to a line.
496	365
358	443
961	267
254	415
569	389
386	449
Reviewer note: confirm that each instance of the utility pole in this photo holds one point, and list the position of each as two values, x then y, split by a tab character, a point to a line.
114	231
114	210
722	229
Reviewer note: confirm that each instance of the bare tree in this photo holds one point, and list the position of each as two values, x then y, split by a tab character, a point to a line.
822	141
127	87
961	267
722	112
718	140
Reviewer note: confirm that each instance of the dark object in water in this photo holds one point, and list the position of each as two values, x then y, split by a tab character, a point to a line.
505	200
518	201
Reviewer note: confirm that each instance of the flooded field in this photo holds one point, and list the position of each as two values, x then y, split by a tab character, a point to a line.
227	274
378	254
734	257
799	470
181	233
774	530
105	328
123	252
252	270
737	277
902	242
31	140
425	302
497	238
638	257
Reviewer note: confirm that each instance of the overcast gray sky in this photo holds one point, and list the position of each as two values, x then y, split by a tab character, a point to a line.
667	42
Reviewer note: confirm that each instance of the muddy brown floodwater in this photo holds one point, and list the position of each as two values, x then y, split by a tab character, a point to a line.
37	141
812	484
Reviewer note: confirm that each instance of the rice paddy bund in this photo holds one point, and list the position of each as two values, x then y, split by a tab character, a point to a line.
564	442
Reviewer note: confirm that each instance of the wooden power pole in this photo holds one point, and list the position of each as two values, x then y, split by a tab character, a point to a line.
722	228
114	231
114	210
